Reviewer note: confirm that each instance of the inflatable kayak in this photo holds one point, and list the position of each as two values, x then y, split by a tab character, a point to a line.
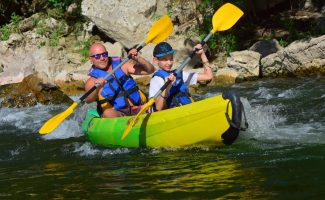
210	122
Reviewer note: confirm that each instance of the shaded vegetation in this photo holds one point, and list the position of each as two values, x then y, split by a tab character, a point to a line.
222	41
280	22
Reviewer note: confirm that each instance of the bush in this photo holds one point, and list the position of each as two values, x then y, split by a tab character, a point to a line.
5	32
226	41
13	27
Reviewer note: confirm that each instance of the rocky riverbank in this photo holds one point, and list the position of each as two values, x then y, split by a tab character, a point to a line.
54	62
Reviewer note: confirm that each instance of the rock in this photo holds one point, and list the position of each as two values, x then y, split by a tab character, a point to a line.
225	76
115	49
72	87
119	19
247	63
72	9
14	39
303	57
266	47
30	92
74	58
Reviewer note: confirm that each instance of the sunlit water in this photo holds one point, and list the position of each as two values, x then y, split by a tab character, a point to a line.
280	156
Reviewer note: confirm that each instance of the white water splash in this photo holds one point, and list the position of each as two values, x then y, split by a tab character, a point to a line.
290	93
71	126
33	118
88	149
264	93
265	123
261	119
16	151
23	118
302	133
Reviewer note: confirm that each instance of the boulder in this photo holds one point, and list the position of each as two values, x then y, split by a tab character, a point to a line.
247	63
30	92
302	57
266	47
120	19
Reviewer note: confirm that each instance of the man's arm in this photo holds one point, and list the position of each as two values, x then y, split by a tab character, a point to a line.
91	83
138	65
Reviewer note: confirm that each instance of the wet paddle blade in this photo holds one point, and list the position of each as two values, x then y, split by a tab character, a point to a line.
54	122
134	120
160	30
225	17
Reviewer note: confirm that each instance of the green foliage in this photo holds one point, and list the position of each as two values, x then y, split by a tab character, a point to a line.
315	30
283	43
169	10
35	21
218	42
60	4
290	25
77	28
84	46
15	20
13	27
5	32
299	30
41	44
56	35
156	17
59	8
229	43
41	28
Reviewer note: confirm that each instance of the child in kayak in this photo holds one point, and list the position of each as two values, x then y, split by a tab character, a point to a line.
177	92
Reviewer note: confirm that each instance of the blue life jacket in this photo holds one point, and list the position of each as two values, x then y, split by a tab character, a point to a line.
118	88
178	93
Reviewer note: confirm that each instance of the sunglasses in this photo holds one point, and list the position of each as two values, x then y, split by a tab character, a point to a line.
97	56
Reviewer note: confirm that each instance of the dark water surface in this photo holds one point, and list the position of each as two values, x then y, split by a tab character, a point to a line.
281	156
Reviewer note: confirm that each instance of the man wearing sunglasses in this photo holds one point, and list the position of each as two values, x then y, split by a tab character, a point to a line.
118	95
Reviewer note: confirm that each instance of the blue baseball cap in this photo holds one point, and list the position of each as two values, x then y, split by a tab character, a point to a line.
162	49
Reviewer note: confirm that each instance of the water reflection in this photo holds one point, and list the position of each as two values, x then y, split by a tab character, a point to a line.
200	175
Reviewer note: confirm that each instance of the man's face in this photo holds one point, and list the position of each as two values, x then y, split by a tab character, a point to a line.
99	56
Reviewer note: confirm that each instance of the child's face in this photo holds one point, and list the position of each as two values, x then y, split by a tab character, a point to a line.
165	62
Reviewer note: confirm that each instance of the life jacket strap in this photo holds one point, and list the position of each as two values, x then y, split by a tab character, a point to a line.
180	94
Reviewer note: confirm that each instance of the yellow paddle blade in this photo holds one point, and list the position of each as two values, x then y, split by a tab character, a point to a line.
160	30
225	17
52	123
135	119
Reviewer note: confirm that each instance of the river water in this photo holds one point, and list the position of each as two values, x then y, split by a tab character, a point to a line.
280	156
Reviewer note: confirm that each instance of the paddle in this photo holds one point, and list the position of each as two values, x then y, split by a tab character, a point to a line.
159	31
223	19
